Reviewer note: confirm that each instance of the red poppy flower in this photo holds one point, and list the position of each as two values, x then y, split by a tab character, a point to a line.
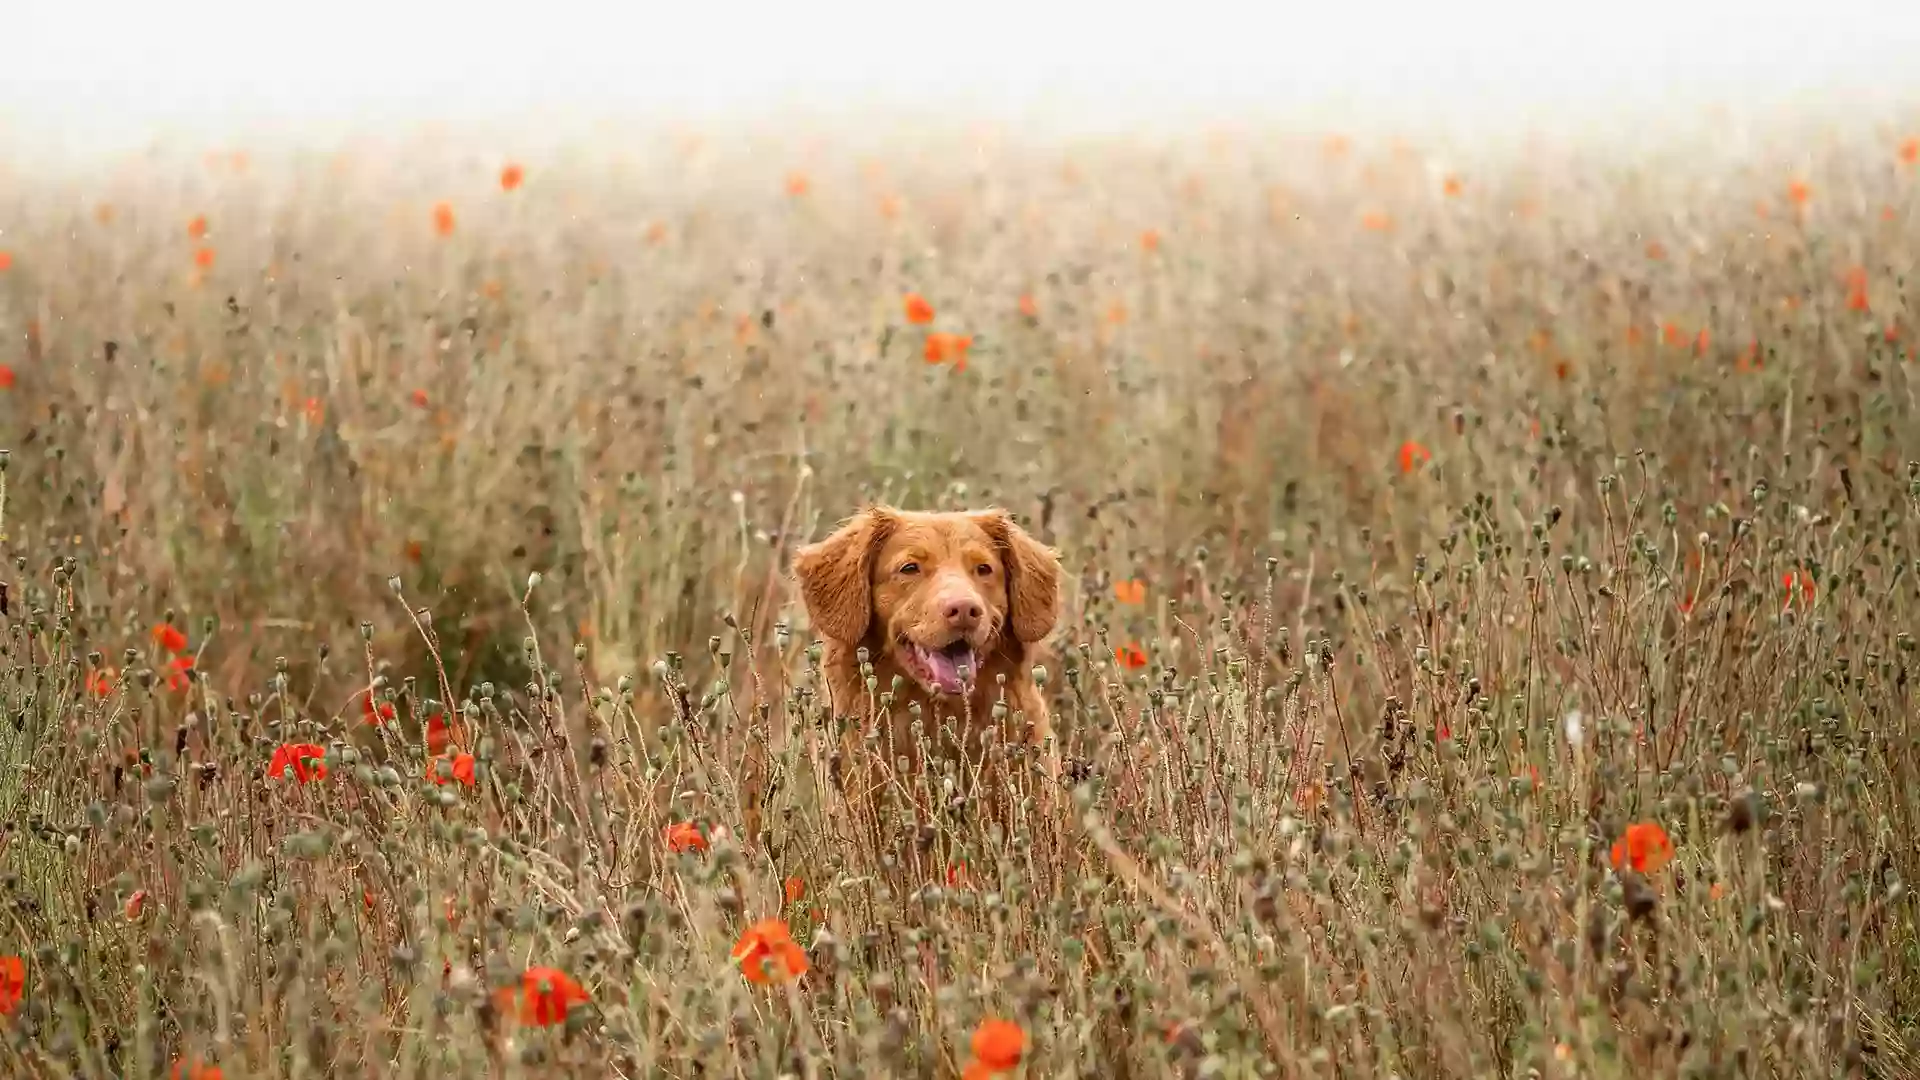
1910	150
180	678
998	1046
1130	656
543	997
136	904
7	377
793	890
768	954
919	312
685	836
194	1069
1800	579
203	258
461	766
1132	592
13	983
1029	306
375	712
101	682
170	637
943	347
6	261
307	760
1412	455
1644	846
438	735
418	398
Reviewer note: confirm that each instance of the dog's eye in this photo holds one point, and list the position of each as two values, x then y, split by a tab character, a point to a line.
910	568
984	569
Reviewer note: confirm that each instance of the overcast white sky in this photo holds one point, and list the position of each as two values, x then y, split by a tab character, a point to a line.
112	70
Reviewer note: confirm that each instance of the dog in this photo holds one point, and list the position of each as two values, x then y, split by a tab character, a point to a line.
952	607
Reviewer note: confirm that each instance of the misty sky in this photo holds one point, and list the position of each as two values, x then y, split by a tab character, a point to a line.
106	70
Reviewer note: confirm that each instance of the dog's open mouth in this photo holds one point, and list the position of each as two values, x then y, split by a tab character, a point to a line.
947	670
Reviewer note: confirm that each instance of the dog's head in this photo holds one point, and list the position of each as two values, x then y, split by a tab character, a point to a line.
940	592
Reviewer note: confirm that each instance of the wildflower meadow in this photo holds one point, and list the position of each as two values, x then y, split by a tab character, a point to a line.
1492	575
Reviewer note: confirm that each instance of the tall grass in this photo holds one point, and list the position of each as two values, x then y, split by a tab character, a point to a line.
1427	524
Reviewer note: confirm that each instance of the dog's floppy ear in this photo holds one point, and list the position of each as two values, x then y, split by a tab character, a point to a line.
1033	577
836	575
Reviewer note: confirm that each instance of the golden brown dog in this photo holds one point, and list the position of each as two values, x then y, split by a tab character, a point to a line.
954	604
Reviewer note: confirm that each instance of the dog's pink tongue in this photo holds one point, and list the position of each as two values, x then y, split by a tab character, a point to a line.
945	669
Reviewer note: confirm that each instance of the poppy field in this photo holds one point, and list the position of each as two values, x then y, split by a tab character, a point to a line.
1492	575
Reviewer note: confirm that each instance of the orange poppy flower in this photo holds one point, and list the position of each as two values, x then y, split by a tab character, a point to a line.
890	206
685	836
511	176
1028	306
460	765
194	1069
13	983
998	1045
197	227
768	954
1132	591
1910	150
306	760
1644	847
1130	656
179	679
943	347
443	221
1452	186
1413	455
543	998
919	312
203	258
